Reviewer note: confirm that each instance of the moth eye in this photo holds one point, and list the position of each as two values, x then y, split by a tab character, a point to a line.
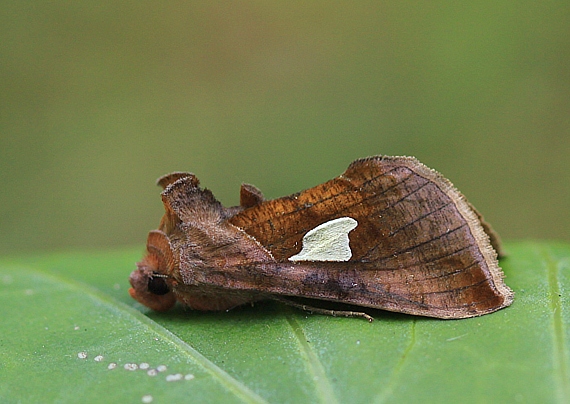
157	286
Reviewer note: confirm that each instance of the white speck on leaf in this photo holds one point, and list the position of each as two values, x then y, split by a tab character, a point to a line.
174	378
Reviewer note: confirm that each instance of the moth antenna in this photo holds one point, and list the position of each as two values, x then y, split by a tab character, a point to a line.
326	312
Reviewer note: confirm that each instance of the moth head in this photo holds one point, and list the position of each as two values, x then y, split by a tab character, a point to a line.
151	284
150	287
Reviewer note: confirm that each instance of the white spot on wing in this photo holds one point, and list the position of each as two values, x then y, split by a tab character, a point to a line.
327	242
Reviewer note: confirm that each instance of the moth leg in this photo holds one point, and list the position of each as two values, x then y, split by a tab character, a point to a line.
312	309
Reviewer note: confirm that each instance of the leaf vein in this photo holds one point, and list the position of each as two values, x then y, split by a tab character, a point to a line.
229	382
389	389
560	358
323	385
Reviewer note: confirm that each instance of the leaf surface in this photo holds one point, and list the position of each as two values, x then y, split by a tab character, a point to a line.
58	307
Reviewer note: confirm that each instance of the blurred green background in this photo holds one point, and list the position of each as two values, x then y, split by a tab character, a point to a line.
99	98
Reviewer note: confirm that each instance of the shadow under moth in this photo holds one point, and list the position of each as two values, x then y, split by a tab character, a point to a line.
389	233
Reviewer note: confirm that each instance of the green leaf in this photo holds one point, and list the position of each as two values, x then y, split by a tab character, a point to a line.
58	306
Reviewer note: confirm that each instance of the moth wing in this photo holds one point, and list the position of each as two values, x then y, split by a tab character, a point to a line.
417	239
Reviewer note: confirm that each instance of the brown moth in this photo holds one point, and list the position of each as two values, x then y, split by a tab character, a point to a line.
389	233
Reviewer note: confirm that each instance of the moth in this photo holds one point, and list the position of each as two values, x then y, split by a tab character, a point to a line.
389	233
